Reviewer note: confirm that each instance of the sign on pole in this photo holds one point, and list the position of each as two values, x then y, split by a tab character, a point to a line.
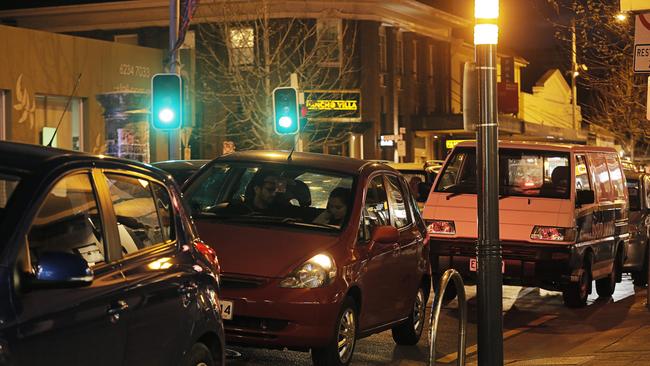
642	43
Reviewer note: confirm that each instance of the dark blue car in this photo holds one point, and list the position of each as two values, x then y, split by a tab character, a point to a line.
99	264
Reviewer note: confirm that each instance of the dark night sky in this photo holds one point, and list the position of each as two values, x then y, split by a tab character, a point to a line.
522	26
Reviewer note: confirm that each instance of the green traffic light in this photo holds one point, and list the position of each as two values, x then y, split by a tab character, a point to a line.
285	111
166	115
166	101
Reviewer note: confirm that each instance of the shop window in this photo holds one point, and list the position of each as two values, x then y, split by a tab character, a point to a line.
330	42
242	46
50	110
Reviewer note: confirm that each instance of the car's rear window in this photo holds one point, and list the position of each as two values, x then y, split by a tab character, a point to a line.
8	184
522	172
272	194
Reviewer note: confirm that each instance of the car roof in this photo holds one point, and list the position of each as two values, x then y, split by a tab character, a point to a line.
28	158
536	145
180	164
337	163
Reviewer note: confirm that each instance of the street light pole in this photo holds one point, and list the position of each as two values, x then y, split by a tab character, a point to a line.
489	276
574	75
174	145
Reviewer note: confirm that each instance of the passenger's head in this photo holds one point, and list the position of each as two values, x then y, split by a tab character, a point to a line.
338	202
265	186
560	176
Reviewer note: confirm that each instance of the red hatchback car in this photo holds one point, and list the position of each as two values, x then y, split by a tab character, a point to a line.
316	250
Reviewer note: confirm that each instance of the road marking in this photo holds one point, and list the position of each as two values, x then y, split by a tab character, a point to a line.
511	333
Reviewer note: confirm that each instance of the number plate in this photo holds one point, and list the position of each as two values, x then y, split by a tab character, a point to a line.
226	308
473	265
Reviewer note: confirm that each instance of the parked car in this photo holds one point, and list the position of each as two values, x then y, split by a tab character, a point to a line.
636	252
563	217
316	250
100	264
181	170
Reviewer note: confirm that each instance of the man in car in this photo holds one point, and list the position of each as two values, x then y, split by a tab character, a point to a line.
261	192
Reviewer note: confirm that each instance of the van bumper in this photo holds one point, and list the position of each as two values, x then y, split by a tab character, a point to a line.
524	264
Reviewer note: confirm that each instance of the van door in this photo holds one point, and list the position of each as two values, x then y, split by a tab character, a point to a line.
603	217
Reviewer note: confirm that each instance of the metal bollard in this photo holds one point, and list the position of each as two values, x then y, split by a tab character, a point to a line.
450	274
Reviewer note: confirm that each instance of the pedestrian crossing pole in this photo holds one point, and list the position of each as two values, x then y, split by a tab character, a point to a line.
488	248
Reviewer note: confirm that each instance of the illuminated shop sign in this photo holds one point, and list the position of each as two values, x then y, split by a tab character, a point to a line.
333	105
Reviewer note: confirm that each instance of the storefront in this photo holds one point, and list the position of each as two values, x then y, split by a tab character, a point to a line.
77	84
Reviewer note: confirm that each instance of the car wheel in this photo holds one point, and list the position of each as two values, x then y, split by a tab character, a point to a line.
575	293
199	355
408	333
339	351
605	286
640	278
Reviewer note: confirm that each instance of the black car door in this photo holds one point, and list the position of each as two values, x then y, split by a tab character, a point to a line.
160	273
79	325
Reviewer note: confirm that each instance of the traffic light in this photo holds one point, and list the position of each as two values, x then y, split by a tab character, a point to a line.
285	111
166	101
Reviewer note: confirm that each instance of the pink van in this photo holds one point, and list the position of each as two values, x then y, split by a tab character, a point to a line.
563	216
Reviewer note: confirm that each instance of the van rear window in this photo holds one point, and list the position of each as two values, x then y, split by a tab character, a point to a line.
522	172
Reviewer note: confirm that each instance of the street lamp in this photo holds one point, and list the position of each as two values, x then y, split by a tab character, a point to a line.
488	248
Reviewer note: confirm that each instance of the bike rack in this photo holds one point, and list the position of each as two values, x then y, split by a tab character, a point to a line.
449	275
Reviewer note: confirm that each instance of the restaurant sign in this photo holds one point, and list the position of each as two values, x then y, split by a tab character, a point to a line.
333	105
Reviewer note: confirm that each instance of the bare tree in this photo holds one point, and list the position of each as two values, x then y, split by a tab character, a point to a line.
244	53
605	44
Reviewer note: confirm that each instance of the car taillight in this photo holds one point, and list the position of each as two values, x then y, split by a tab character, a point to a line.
441	227
553	233
209	254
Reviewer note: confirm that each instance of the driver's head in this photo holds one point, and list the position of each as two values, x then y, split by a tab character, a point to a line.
265	186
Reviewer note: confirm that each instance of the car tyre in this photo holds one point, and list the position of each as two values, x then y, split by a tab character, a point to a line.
409	332
339	351
575	293
199	355
605	286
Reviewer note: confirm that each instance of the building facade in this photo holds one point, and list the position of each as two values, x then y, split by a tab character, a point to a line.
63	90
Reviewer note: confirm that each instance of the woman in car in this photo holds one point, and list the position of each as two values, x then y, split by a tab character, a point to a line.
337	207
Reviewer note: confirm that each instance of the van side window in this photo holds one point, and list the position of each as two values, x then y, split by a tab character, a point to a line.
616	176
582	174
601	177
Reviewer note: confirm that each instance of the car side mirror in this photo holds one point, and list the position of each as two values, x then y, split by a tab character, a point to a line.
58	269
585	197
385	234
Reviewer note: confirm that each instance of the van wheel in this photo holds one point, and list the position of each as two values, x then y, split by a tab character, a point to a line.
339	351
408	333
199	355
640	278
605	286
575	293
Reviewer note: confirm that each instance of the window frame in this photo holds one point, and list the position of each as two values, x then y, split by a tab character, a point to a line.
367	234
321	24
113	218
232	49
587	168
102	211
405	199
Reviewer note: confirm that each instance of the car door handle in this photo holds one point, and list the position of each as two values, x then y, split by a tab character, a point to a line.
119	307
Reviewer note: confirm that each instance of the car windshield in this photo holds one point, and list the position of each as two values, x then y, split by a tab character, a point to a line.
522	172
272	194
8	184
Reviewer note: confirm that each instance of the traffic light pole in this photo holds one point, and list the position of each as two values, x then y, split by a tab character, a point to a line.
490	278
174	135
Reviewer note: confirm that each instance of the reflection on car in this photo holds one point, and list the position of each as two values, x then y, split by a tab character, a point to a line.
181	170
316	250
98	257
